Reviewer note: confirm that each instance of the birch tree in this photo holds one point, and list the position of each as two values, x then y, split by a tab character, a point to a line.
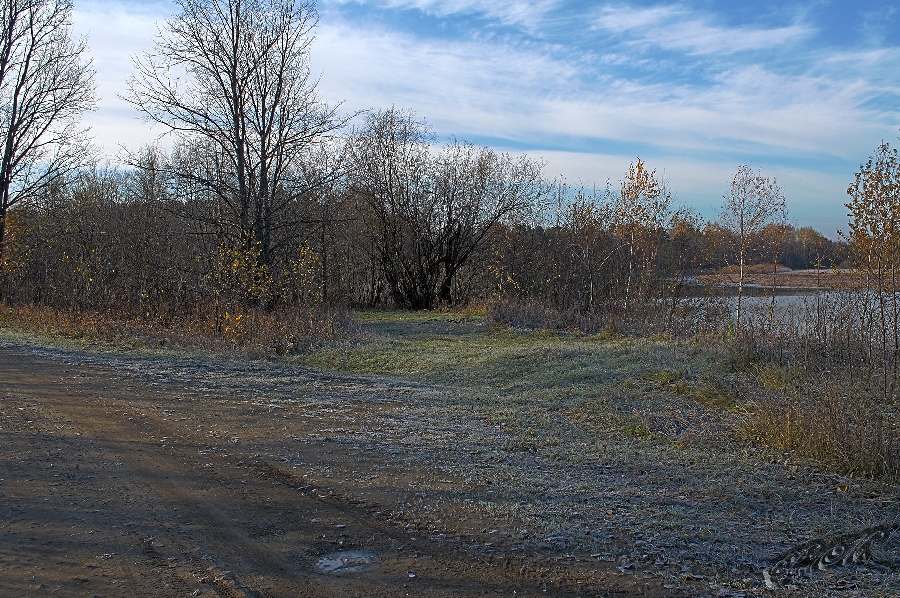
874	239
642	215
752	202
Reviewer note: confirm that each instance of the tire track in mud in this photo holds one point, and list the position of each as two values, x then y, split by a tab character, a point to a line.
176	490
178	518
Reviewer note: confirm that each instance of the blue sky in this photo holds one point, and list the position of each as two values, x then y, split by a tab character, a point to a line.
803	91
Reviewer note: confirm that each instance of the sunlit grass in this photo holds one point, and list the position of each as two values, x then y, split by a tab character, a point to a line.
547	391
511	361
555	392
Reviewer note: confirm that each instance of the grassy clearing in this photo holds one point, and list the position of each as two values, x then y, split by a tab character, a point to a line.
461	352
553	392
549	392
596	442
557	391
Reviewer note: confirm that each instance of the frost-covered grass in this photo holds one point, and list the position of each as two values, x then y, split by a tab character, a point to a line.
635	449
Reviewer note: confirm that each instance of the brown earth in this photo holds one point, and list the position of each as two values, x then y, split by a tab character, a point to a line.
124	476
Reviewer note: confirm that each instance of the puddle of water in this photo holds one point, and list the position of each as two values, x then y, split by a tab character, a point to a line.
350	561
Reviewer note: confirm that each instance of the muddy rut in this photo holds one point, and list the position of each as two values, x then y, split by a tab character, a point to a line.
121	477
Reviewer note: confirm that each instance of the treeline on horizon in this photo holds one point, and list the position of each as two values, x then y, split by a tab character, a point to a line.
460	224
270	201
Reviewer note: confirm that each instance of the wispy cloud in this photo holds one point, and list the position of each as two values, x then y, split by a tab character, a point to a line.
678	29
692	90
526	14
464	86
499	90
115	32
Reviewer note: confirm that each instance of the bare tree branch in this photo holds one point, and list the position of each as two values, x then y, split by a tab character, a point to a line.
233	77
45	86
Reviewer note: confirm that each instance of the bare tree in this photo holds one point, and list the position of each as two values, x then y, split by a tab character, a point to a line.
752	202
477	188
46	83
391	172
432	212
233	76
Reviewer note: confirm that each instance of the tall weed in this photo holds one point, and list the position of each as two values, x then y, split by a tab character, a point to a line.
256	332
848	433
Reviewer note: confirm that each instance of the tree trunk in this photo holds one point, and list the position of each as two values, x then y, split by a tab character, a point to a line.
2	235
444	294
737	317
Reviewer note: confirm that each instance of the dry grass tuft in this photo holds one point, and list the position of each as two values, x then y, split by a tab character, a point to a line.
254	332
849	434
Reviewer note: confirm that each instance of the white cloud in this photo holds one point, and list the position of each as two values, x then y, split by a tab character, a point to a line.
497	90
618	19
489	87
485	87
526	14
673	28
116	31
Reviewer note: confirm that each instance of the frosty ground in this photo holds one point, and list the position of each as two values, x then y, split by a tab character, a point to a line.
458	460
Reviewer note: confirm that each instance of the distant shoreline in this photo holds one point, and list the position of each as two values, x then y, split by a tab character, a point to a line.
796	280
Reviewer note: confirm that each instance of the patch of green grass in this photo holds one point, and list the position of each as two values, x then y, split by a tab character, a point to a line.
665	377
505	361
637	427
377	316
546	390
715	391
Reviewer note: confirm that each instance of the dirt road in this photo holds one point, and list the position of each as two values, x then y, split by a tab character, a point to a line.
122	476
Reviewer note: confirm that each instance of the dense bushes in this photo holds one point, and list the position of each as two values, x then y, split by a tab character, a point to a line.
140	242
